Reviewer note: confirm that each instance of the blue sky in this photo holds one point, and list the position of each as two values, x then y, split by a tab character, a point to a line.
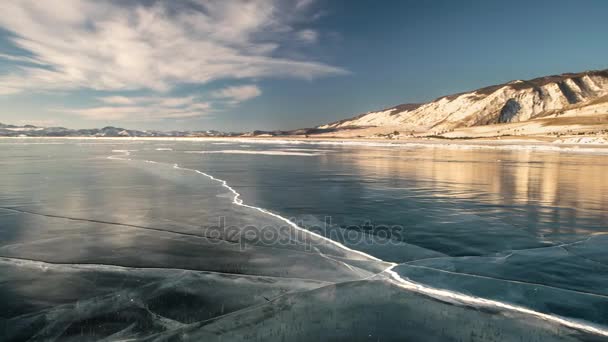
274	64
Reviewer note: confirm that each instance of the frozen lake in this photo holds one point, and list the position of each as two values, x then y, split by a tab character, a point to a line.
207	240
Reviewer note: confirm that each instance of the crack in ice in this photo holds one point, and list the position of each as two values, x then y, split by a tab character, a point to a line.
480	276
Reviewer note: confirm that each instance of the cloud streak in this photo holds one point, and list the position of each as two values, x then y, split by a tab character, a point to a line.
144	108
111	46
308	36
153	47
238	93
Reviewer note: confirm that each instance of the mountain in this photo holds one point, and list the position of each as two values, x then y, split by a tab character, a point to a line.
546	105
109	131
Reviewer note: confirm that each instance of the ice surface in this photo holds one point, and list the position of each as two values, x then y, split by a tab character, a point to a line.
136	247
92	301
371	310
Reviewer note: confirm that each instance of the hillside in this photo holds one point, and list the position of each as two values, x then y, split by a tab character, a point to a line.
561	104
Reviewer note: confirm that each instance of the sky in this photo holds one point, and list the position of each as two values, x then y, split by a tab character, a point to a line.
239	65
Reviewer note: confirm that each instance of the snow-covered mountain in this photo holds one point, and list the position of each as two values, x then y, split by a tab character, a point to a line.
109	131
566	95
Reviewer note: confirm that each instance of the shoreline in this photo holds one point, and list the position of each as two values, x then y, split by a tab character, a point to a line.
524	143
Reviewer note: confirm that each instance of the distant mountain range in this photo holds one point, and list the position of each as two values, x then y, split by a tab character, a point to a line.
34	131
572	102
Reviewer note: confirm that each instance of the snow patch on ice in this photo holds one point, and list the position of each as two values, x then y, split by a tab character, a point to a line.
123	151
583	140
266	152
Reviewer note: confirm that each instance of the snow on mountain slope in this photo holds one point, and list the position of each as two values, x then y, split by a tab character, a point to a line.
516	101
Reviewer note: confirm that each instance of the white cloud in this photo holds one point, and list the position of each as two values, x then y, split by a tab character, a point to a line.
117	100
19	59
144	108
110	112
114	46
308	36
303	3
238	93
140	113
177	101
202	106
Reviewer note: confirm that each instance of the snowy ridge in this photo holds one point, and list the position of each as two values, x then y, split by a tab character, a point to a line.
394	277
515	101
